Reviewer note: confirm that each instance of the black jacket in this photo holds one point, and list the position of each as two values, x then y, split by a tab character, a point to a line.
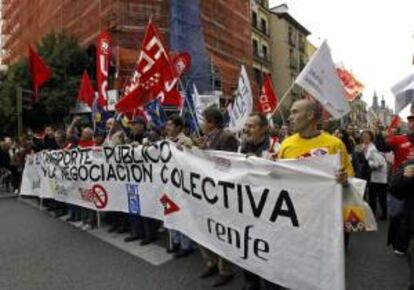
4	159
403	188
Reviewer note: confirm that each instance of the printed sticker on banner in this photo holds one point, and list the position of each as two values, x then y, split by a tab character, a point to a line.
99	196
222	164
98	153
133	198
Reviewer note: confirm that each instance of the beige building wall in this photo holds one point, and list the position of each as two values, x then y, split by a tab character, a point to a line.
289	53
310	49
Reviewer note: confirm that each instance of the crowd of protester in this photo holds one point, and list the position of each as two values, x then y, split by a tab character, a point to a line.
384	158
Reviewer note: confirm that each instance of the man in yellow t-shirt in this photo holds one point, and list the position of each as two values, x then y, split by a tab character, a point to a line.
309	141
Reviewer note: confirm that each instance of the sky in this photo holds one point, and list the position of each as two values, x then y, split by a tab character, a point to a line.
372	38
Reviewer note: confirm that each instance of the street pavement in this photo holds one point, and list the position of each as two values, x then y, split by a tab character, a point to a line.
38	251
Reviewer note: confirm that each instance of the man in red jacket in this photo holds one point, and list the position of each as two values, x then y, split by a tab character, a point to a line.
403	145
403	148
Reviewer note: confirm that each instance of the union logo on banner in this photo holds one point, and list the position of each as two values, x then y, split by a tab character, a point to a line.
169	205
354	219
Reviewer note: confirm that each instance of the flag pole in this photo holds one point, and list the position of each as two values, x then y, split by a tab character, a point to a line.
281	101
191	111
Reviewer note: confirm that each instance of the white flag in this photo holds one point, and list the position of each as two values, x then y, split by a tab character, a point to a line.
243	103
319	79
404	93
198	105
202	102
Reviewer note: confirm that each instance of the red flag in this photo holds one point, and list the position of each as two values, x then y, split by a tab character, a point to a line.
86	92
103	57
181	63
153	75
351	85
39	71
395	123
268	100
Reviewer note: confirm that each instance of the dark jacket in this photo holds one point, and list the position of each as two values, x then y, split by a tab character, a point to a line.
256	149
45	144
4	159
403	188
224	141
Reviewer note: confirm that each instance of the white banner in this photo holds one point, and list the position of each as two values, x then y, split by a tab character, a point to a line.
243	103
404	93
319	78
281	220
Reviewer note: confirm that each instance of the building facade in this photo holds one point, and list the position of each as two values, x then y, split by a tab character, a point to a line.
226	27
261	40
381	112
288	52
359	113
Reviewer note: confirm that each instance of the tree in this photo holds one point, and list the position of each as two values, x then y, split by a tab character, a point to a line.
67	59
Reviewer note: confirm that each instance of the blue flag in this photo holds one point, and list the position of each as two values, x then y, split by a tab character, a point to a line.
156	113
188	112
123	122
99	115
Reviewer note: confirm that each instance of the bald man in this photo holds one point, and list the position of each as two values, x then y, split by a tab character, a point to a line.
309	141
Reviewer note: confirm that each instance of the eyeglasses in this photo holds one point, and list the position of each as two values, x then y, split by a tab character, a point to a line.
410	118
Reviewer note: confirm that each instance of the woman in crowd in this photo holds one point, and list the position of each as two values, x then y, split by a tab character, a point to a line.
377	183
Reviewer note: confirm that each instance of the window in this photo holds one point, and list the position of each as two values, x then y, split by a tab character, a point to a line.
302	61
291	35
302	43
215	77
264	51
254	19
255	47
292	58
257	76
263	25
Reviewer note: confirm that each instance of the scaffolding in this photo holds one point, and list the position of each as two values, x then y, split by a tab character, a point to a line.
216	33
187	35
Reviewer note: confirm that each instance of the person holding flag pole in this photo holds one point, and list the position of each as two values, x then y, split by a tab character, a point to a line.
189	108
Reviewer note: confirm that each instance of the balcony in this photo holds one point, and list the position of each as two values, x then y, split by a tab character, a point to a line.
260	30
302	62
261	58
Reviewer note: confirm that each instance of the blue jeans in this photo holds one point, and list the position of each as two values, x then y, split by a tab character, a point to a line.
74	212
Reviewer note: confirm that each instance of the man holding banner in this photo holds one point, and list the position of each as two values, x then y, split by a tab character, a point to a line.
258	143
216	138
309	141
